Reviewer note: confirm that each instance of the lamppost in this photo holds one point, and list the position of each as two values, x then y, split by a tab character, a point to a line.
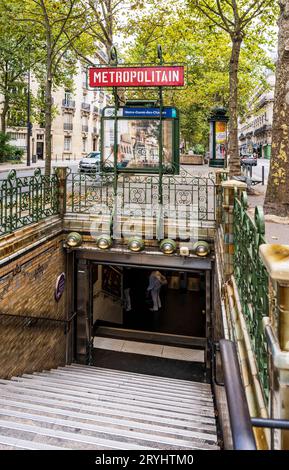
29	125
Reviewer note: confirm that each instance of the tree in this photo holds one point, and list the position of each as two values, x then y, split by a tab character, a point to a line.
12	72
277	195
236	18
55	25
14	63
206	49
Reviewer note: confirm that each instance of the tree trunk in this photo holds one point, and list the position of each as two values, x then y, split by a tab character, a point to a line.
277	195
4	112
48	117
233	147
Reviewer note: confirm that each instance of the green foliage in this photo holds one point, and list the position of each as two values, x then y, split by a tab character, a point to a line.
8	152
192	38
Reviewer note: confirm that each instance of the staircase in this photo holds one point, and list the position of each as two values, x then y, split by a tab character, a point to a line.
83	407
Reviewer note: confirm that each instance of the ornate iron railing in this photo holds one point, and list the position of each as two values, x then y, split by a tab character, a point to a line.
252	278
86	191
26	200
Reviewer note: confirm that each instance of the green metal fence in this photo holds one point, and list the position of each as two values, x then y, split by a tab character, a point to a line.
252	278
87	191
24	200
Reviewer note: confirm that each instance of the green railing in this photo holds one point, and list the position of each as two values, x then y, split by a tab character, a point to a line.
85	192
252	279
24	200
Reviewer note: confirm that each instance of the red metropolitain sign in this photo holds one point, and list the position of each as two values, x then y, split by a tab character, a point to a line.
136	76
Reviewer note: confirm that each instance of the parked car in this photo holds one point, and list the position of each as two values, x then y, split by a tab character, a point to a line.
248	160
90	163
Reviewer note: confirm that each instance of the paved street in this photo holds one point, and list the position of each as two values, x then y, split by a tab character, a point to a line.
23	170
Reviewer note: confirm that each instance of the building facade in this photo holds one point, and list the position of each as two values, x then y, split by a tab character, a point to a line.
76	124
255	129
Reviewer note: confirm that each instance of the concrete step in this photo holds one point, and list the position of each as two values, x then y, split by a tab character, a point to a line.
22	430
95	385
145	377
71	390
129	420
90	399
120	434
82	407
131	382
113	409
150	336
11	443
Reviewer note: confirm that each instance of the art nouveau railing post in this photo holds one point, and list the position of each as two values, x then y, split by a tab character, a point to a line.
221	176
276	260
62	173
229	189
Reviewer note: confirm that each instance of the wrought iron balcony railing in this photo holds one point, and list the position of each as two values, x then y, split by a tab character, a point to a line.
70	104
85	107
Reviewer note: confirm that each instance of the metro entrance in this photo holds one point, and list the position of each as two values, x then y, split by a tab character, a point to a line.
121	299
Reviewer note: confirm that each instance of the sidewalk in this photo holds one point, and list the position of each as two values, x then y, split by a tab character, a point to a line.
276	228
4	167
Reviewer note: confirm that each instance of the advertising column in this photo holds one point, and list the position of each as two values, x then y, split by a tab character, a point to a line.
218	138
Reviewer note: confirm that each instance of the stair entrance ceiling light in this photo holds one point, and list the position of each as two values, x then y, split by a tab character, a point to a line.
201	248
73	239
104	242
168	246
135	244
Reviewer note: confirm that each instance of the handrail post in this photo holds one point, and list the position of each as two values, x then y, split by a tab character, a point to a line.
276	260
229	187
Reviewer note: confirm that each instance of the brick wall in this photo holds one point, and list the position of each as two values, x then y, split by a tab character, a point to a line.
27	286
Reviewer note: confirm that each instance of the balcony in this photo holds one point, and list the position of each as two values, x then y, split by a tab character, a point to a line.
68	104
263	129
102	54
84	128
85	107
68	126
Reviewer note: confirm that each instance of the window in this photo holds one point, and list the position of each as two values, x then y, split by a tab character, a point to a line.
67	144
40	137
84	146
17	135
68	118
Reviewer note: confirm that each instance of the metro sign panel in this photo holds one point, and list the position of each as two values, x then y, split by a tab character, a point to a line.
136	76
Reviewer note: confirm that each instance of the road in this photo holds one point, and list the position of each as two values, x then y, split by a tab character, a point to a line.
257	170
21	172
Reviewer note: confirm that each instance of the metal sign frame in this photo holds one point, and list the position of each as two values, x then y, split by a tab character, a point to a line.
113	61
172	169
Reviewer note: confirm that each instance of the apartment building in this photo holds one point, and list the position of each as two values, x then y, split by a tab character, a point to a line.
255	129
76	125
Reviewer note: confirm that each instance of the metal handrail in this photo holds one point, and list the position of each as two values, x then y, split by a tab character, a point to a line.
270	423
240	420
31	317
